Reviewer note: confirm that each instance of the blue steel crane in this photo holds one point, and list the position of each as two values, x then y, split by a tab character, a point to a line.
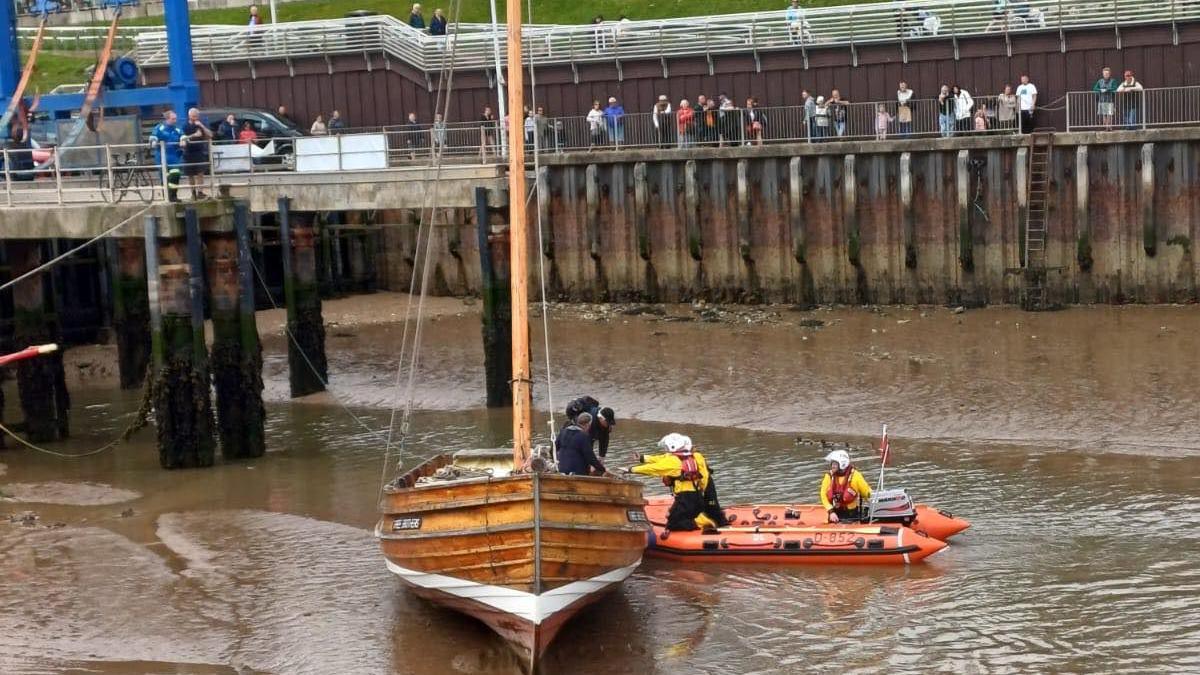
181	91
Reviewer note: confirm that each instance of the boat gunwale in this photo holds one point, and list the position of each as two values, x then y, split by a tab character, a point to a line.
513	527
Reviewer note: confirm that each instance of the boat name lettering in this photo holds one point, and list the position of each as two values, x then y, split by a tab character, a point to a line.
637	516
406	524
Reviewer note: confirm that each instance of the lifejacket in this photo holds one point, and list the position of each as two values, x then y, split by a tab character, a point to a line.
840	493
689	470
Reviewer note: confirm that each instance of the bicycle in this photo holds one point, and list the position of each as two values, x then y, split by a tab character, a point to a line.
129	174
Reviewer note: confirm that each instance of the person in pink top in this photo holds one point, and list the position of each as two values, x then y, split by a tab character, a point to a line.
883	119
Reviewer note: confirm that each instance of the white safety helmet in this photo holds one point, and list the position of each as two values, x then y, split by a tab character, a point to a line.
841	457
676	443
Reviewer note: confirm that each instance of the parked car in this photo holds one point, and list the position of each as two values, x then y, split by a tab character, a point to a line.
266	124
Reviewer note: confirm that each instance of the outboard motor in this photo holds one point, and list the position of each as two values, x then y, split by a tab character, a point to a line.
892	506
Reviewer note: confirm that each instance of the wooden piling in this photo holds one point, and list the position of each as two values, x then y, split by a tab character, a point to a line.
130	310
307	368
497	309
182	402
236	353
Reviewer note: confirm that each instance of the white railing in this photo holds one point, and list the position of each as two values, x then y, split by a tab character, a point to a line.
1136	109
692	36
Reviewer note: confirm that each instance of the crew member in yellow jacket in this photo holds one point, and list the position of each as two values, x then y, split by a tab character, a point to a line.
843	489
686	472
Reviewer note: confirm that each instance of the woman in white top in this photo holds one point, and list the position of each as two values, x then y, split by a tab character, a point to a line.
318	126
963	104
596	128
904	116
661	116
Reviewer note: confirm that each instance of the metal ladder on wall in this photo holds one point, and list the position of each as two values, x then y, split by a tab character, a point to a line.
1033	291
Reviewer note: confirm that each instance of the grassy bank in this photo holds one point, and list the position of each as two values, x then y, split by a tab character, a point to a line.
476	11
55	68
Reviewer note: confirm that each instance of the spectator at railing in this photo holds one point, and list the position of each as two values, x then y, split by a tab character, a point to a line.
810	112
437	25
685	118
755	122
336	123
544	128
614	115
661	118
227	130
709	126
530	126
963	106
799	31
999	16
730	122
981	118
945	106
416	19
414	135
438	133
1129	93
247	135
167	139
489	132
1027	95
318	127
1006	108
904	116
820	119
1105	89
196	137
596	127
883	120
254	20
838	110
931	24
601	33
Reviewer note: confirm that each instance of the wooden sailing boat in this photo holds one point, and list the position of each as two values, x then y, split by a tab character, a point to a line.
494	534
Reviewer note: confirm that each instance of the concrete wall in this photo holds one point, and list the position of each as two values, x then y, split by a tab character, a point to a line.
890	222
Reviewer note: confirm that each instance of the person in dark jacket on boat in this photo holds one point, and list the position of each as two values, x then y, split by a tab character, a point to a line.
574	448
603	420
685	471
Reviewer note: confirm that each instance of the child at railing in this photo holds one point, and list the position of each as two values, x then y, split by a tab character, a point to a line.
981	117
882	120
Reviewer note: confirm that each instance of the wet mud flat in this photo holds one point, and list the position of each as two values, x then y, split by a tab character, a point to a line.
1077	466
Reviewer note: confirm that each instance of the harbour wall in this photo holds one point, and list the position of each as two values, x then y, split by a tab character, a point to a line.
920	221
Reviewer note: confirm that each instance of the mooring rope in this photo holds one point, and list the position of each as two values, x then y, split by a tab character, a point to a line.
139	421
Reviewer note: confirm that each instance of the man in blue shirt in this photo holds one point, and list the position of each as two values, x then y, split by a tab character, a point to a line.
167	136
574	445
616	126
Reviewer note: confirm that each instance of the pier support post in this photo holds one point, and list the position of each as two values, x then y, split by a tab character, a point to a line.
131	310
236	353
41	382
497	309
307	368
182	400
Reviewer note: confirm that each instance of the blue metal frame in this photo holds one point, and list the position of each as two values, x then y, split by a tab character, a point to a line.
181	92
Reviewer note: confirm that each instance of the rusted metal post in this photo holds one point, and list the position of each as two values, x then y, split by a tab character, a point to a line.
41	382
131	310
236	353
182	401
307	368
497	308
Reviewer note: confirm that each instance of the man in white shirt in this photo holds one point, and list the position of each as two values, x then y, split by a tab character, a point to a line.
1027	101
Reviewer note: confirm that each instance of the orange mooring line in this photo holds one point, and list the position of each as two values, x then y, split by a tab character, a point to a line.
26	74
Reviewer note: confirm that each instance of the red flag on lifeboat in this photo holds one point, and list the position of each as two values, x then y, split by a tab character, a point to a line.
885	448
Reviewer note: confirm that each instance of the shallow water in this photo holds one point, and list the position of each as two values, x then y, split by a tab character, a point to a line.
1082	555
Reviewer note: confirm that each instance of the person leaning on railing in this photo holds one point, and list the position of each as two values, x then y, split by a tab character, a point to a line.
1105	89
1129	92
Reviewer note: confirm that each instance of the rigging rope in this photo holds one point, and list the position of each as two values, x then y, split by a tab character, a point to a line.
421	263
541	257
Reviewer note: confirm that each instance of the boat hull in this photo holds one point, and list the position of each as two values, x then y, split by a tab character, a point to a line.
929	520
792	544
522	553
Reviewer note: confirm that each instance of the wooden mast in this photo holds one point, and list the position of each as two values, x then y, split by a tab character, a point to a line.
522	388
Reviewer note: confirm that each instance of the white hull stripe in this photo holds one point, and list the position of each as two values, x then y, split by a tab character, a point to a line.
532	608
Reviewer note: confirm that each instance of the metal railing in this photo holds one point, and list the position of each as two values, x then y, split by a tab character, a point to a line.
1133	109
691	36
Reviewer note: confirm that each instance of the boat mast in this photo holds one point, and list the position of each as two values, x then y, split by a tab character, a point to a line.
522	388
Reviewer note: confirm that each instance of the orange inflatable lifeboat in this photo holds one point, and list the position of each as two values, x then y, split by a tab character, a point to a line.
766	541
894	508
